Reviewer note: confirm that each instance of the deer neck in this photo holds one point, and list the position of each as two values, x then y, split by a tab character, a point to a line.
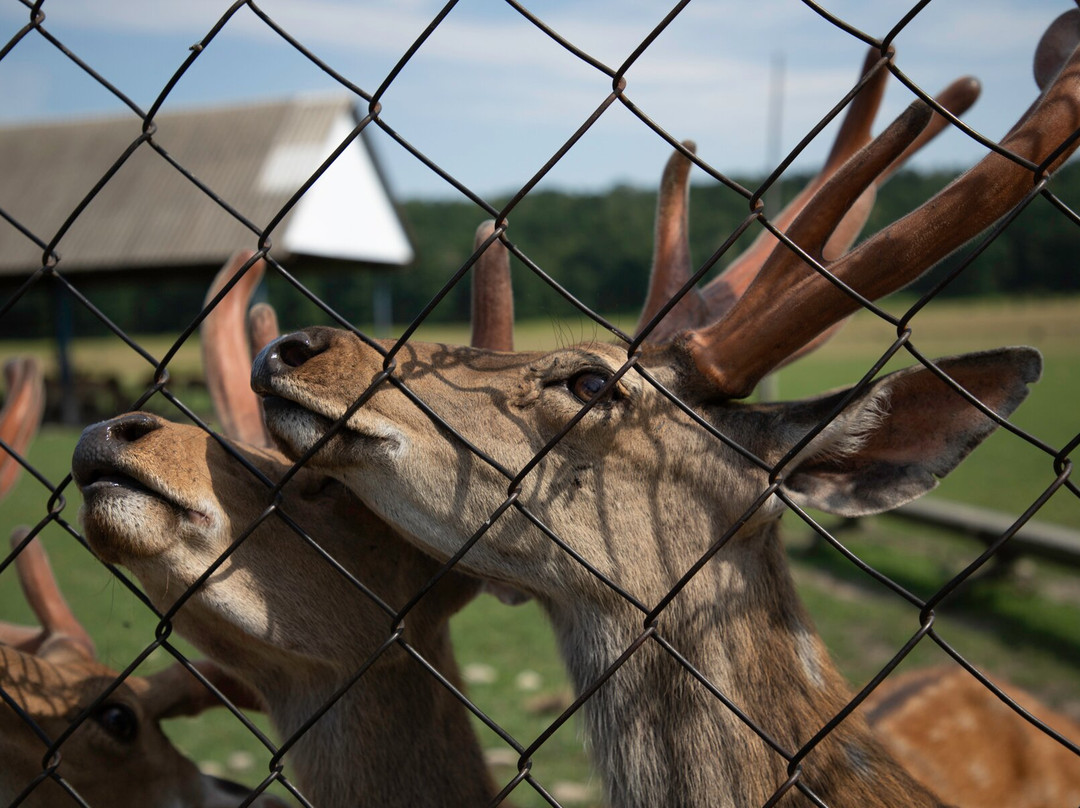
661	738
396	737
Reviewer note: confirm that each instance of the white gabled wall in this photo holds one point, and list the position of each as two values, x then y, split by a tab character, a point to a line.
348	213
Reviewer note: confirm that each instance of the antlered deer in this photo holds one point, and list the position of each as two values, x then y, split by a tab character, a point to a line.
168	500
638	499
116	755
396	571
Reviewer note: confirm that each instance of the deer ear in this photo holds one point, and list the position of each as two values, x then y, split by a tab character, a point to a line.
910	428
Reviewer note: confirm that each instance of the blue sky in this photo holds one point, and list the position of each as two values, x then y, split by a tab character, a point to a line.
491	98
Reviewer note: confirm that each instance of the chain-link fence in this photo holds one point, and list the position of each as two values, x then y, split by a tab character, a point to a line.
376	609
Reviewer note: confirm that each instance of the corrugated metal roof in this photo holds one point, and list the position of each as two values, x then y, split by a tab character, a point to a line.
148	214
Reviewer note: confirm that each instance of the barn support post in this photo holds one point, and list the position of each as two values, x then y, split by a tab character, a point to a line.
382	305
65	329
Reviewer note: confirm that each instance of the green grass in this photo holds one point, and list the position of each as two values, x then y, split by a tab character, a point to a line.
1023	627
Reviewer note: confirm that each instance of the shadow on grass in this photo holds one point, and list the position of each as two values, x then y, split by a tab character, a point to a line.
1028	607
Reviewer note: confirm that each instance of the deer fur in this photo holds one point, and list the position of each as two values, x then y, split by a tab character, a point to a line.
166	500
641	492
954	735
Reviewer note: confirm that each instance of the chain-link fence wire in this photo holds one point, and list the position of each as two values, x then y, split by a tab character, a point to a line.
61	509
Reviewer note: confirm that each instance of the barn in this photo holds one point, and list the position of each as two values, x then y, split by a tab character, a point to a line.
114	200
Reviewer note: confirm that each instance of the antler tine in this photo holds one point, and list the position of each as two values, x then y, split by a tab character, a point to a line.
957	98
671	258
787	306
492	294
262	327
1056	46
671	253
226	356
854	133
42	593
21	416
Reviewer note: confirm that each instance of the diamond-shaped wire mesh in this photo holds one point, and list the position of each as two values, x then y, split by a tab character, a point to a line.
383	598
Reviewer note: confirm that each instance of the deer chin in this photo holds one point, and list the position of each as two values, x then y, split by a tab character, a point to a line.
128	517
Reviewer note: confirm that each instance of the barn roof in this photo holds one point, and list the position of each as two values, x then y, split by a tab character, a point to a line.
149	214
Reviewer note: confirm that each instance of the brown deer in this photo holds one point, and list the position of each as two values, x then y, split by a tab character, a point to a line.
952	734
638	499
168	500
110	750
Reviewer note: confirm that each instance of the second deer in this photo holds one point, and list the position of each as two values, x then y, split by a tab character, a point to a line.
70	728
304	608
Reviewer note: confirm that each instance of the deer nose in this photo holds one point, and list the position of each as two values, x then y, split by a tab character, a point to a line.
99	443
289	351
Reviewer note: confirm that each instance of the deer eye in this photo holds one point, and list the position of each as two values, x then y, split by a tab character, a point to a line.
586	386
118	720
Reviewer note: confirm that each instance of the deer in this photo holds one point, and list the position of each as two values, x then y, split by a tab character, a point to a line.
970	747
637	496
70	728
313	595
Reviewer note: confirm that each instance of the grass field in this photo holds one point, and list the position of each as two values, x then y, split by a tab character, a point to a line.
1024	627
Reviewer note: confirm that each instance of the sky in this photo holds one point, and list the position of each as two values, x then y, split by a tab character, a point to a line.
491	98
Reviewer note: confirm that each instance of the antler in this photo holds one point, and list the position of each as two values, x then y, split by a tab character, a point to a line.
854	133
19	421
671	261
59	626
789	304
262	327
1055	47
226	350
227	353
492	297
21	416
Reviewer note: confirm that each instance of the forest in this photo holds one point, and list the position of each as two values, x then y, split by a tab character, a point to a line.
596	245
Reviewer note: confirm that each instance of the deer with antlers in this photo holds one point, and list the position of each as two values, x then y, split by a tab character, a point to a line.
64	729
638	498
168	500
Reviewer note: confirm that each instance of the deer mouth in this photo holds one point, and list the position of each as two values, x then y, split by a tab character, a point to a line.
297	426
103	484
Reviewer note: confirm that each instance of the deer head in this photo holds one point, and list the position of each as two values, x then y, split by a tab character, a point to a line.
70	725
637	497
307	597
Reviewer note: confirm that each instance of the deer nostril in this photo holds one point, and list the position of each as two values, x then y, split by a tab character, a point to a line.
295	349
284	354
129	428
295	353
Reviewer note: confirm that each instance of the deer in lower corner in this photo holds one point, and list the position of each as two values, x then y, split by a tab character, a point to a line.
167	500
638	498
109	748
970	747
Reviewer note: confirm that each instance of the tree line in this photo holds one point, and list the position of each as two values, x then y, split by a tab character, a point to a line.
597	246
